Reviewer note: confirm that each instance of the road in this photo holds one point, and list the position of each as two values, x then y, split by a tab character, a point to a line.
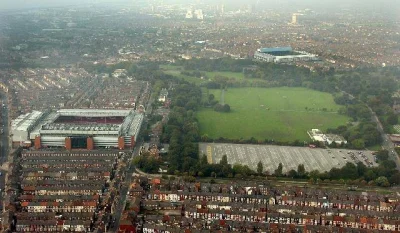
125	187
4	142
131	168
386	142
4	136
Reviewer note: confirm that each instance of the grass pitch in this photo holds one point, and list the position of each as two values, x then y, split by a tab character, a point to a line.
281	114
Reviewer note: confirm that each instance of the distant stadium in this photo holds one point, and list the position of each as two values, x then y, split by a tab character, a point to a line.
283	55
78	129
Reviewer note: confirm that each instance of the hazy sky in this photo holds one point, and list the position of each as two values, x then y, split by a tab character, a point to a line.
389	4
15	4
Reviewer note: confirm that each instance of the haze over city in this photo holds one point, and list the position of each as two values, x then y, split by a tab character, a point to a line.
390	5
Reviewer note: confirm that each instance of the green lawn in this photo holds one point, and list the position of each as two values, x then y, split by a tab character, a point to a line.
176	71
282	114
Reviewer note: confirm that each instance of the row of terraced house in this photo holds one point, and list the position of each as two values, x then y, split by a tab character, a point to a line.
66	190
179	206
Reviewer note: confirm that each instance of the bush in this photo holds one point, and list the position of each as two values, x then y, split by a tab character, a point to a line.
382	181
222	108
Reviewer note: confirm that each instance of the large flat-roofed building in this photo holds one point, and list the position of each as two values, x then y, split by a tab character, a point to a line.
283	55
78	128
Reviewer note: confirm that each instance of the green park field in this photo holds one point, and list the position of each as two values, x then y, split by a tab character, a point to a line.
176	71
281	114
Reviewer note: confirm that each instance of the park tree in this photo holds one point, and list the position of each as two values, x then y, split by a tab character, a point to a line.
349	171
361	168
358	144
370	175
260	167
224	160
224	168
279	170
382	181
301	171
211	97
292	173
395	178
382	155
392	119
314	174
222	108
226	108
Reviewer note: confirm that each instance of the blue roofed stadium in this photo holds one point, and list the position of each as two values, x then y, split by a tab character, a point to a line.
277	49
283	55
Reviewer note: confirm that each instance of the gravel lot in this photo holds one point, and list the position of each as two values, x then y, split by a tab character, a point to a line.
290	157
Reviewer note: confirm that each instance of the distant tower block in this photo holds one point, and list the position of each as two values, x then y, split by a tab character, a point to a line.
189	14
199	14
294	19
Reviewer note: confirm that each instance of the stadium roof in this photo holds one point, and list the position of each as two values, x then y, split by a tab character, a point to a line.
39	123
277	49
94	112
24	122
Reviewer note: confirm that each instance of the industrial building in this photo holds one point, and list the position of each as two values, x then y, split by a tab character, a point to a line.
283	55
78	128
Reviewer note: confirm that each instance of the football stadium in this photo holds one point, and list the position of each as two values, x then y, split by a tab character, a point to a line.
283	55
78	129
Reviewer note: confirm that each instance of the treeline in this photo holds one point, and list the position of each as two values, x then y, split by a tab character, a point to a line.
384	175
149	71
221	64
182	130
148	163
359	136
253	140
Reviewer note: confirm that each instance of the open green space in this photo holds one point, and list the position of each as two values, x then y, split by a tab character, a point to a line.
176	71
281	114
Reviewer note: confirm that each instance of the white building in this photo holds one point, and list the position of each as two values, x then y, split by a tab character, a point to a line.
163	95
199	14
189	14
319	136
